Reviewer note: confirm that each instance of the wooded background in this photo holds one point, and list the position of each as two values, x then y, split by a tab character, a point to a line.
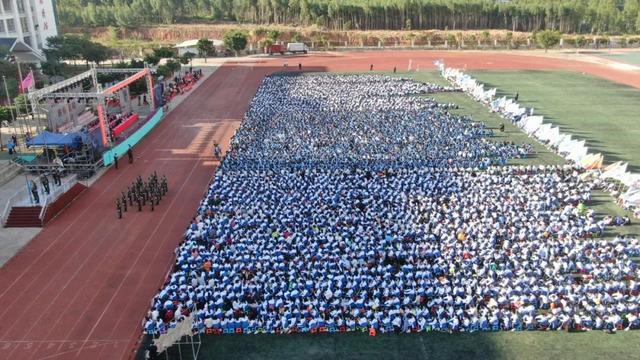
611	17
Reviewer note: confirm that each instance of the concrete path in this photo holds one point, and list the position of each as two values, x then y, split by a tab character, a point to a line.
13	239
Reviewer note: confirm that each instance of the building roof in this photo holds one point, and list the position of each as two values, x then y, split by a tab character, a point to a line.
21	50
7	42
194	43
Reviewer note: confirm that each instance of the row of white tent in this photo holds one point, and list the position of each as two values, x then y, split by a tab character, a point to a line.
546	133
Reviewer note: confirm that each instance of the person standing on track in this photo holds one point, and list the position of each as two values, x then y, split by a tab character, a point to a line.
119	208
165	185
115	160
124	202
216	150
130	154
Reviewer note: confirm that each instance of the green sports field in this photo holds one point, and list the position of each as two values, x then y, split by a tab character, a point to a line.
499	345
602	112
598	111
629	57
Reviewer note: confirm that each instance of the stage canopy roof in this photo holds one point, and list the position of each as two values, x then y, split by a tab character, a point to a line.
52	139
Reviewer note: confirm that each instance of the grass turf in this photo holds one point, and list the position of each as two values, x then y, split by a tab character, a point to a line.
629	57
603	113
432	345
498	345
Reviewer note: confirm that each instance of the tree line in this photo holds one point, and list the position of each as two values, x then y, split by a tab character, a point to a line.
567	16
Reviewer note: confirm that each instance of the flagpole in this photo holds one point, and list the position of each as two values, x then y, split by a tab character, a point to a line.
13	119
26	125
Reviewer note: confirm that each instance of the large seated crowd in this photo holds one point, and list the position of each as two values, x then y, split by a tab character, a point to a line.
355	202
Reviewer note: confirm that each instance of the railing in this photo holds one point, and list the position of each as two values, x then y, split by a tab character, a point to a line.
16	198
24	196
69	167
53	195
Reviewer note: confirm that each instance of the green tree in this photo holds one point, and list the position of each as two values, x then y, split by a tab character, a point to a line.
509	39
21	103
305	14
296	37
164	52
173	65
408	24
205	48
485	37
186	58
273	35
114	33
95	53
567	16
236	40
548	38
5	113
163	70
152	59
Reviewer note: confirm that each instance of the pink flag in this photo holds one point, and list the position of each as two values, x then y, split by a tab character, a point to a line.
28	81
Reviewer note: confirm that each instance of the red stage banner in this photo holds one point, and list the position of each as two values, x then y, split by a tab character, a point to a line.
103	124
124	125
122	84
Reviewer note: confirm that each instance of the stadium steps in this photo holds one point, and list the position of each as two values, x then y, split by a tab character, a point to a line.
8	170
24	216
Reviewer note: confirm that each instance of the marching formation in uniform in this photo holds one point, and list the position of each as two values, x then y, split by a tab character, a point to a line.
142	192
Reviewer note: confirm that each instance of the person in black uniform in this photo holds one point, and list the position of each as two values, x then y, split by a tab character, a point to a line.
124	202
130	154
56	177
119	208
34	191
44	180
115	160
165	185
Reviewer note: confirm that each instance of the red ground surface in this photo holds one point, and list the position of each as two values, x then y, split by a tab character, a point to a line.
80	289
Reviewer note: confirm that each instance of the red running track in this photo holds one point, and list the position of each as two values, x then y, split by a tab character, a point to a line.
80	289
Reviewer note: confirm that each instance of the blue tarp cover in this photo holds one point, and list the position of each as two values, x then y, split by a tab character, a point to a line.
47	138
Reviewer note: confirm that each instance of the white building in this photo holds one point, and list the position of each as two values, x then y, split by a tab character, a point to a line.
192	46
27	24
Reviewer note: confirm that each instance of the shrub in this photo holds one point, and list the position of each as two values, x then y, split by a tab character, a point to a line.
547	38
